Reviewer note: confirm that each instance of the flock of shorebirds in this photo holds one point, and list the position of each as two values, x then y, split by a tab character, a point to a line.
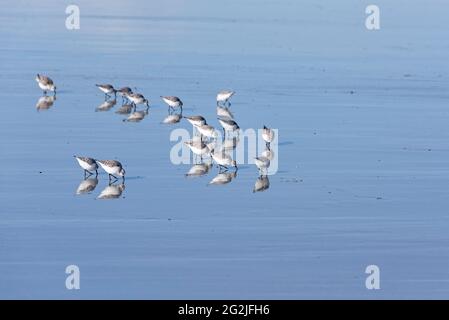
204	145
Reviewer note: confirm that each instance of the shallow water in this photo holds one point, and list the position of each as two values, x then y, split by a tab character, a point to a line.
363	171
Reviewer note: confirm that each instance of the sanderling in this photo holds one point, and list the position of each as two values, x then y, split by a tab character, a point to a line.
198	170
197	147
107	105
262	183
223	178
223	159
196	120
125	109
228	124
45	102
107	89
112	191
124	92
262	162
172	118
267	135
224	112
87	185
224	96
137	98
173	102
88	164
45	83
112	168
207	131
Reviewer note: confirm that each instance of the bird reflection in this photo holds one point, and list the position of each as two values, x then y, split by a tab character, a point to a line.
262	184
87	186
223	177
268	153
230	144
137	116
125	109
199	170
45	102
172	118
107	105
112	191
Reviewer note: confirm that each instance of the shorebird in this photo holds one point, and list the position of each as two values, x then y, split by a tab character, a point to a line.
224	112
262	183
124	92
88	164
45	102
224	96
196	120
262	162
137	98
112	191
112	168
107	89
228	125
173	102
87	185
223	160
267	135
45	83
197	147
207	131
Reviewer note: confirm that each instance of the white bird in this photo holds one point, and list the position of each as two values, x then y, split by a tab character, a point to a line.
107	89
88	164
137	98
172	101
267	135
262	162
223	159
112	168
199	148
207	131
224	96
228	124
196	120
45	83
